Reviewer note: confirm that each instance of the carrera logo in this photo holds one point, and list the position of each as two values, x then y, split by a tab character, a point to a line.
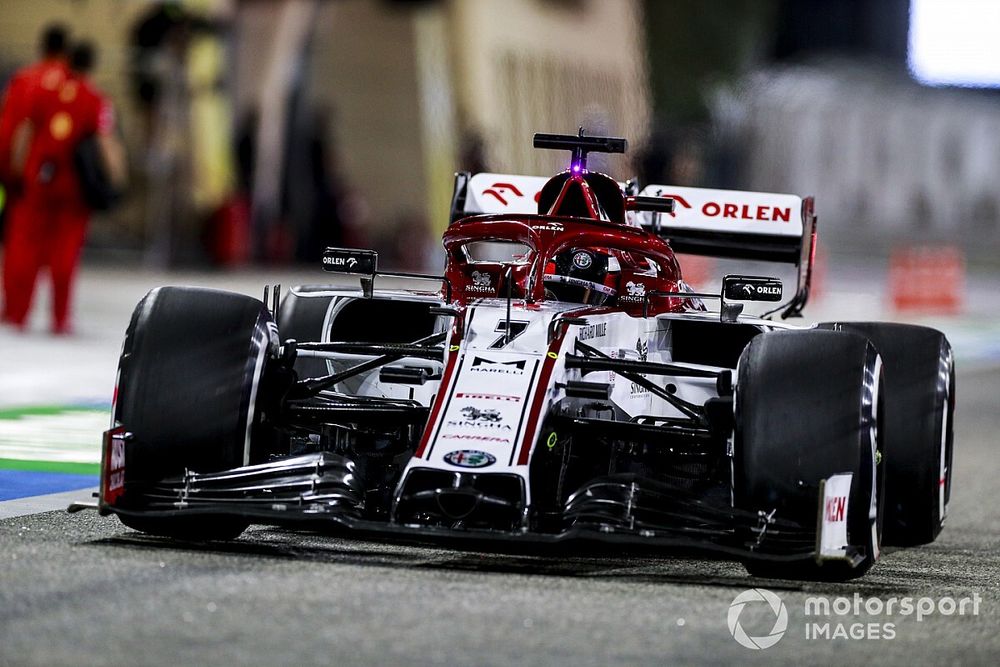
478	438
494	426
482	365
469	458
488	397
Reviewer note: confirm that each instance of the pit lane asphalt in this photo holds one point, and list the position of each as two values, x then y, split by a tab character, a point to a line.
82	590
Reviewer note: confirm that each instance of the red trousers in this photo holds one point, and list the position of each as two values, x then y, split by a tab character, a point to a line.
42	234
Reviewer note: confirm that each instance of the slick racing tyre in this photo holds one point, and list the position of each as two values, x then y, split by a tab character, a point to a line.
188	386
808	406
919	431
304	317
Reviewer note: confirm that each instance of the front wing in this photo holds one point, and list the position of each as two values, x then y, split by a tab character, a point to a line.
321	492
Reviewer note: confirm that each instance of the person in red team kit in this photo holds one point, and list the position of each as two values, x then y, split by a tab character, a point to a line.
15	104
48	221
49	73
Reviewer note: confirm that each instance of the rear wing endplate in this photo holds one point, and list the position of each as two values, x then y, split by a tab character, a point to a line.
735	224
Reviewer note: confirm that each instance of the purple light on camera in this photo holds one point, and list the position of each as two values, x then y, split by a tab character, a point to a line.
576	167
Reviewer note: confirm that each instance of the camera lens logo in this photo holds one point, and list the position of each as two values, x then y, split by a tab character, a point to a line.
780	618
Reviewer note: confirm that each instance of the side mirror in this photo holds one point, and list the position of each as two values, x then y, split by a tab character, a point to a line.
751	288
739	289
363	263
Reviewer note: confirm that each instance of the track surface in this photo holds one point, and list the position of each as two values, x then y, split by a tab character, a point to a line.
82	589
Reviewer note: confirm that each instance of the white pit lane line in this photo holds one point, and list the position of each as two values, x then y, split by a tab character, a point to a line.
47	503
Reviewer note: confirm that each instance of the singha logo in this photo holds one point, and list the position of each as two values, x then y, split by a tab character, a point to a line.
475	414
481	282
634	292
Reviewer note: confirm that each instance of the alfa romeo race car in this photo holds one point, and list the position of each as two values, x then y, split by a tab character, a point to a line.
560	385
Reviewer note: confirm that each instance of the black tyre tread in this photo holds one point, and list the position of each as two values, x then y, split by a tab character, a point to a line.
916	400
799	410
183	387
301	318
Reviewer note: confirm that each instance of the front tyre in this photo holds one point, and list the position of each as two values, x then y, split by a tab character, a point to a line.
807	407
189	384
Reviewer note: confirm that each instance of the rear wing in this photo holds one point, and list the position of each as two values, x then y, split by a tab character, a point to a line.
739	225
495	193
489	193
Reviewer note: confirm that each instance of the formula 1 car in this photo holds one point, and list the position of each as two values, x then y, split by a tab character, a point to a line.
560	385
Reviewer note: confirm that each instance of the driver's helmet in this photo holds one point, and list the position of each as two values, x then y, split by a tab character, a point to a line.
582	275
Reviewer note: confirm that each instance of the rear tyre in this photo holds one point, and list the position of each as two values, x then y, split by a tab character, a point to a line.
919	431
188	389
807	407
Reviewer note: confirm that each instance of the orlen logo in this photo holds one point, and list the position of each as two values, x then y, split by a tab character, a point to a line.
735	211
836	508
114	462
747	212
349	262
501	190
678	201
768	290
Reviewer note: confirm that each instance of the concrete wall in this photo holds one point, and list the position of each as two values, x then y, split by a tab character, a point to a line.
526	66
403	84
888	160
361	69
